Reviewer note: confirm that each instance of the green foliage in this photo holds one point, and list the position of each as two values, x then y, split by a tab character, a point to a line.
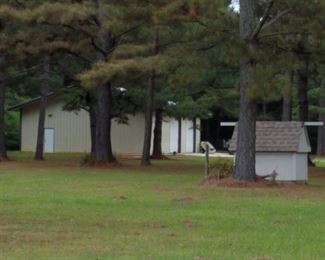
222	167
199	49
12	130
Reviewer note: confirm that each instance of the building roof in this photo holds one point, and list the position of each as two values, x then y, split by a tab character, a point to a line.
274	136
30	101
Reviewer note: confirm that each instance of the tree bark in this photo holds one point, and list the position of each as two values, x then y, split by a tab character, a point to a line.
194	135
303	92
104	151
246	139
287	98
92	118
145	160
321	129
303	73
157	140
103	148
3	151
180	135
39	153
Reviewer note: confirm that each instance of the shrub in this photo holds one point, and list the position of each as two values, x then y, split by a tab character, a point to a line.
222	167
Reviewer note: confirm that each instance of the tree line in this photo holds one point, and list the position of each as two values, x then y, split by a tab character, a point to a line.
169	57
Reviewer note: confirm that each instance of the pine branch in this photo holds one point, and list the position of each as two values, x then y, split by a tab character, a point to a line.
275	19
87	34
85	59
283	34
128	31
208	47
263	20
19	4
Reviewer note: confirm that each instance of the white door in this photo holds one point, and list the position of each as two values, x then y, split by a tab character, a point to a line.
189	136
173	136
49	140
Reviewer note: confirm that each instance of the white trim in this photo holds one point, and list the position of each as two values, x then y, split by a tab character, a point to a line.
305	124
228	124
314	124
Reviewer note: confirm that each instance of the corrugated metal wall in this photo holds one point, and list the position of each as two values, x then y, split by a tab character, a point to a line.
72	131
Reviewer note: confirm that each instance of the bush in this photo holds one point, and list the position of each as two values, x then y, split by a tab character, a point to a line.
12	130
222	168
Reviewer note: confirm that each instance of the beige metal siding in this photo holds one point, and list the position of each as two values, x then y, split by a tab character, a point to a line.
166	131
128	139
187	132
71	130
29	123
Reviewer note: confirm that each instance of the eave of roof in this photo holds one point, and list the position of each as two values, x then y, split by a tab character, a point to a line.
275	136
30	102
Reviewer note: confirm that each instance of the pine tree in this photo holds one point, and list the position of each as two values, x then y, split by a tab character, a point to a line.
250	31
91	31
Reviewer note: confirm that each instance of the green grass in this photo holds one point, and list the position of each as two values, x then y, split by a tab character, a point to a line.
58	210
319	161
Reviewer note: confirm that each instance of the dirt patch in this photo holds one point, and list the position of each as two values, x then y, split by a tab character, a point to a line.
259	183
121	198
4	158
189	223
154	225
317	173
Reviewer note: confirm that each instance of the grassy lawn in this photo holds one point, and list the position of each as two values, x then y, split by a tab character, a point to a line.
59	210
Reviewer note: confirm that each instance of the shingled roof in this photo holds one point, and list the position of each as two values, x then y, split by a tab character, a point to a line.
277	137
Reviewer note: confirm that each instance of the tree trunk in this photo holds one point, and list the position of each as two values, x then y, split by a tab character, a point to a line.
42	112
302	74
246	139
148	120
104	152
194	135
3	151
145	161
303	92
92	118
321	129
157	150
287	98
103	148
180	135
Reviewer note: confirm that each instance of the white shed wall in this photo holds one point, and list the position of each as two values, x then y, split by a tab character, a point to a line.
301	165
289	166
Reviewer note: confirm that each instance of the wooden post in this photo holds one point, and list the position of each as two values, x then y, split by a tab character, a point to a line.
207	163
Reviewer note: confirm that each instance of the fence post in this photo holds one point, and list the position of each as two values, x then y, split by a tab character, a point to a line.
207	163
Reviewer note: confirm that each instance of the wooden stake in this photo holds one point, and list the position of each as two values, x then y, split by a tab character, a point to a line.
207	163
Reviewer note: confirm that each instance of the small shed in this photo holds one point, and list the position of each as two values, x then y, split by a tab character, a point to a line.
282	147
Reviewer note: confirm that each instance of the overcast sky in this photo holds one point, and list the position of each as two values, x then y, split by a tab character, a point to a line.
235	5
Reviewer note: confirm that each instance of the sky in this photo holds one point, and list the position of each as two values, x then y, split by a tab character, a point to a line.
235	5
